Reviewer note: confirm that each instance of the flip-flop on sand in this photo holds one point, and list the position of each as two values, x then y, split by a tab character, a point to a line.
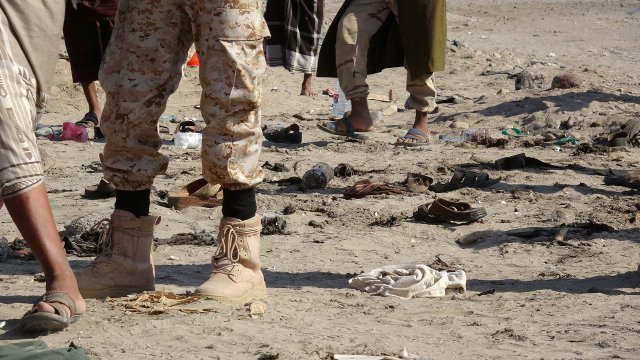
65	313
333	127
421	139
196	193
89	120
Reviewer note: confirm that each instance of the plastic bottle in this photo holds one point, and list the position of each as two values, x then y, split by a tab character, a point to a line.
188	140
71	131
318	176
470	135
340	103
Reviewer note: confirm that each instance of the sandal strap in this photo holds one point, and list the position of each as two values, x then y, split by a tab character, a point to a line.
416	134
60	301
52	297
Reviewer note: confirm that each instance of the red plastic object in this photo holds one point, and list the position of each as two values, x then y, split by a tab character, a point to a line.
193	62
71	131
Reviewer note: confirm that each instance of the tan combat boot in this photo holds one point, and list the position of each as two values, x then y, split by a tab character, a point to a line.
236	277
125	264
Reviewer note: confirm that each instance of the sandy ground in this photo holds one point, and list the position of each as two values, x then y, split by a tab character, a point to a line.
550	301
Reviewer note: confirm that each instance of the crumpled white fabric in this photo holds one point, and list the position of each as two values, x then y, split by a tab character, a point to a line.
407	281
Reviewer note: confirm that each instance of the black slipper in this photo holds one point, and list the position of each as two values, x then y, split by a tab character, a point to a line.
89	120
333	127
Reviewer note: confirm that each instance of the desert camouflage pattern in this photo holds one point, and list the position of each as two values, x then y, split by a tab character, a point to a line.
143	67
360	21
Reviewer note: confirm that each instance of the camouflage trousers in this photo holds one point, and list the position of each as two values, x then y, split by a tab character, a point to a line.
29	36
360	21
143	67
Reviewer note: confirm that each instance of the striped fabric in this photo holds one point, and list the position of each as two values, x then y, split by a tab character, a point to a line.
20	97
295	27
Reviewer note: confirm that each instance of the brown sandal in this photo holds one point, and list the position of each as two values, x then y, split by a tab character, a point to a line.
441	211
196	193
65	313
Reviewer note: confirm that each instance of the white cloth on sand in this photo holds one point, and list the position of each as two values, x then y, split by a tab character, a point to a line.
407	281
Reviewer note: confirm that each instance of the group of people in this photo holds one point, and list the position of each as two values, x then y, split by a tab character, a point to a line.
139	51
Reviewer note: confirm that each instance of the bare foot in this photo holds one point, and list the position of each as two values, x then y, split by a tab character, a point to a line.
306	86
360	117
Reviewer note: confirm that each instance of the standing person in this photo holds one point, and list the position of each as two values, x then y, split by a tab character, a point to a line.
142	68
296	30
87	30
29	35
422	29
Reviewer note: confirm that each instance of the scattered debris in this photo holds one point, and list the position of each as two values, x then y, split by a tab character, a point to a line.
487	292
344	170
390	220
529	79
256	309
159	302
272	225
201	238
277	167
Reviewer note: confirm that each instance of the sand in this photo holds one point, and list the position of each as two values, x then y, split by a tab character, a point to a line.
577	299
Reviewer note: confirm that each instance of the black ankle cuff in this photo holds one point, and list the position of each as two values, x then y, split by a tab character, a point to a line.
239	204
136	202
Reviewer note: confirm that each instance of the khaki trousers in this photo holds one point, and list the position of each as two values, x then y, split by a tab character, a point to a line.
360	21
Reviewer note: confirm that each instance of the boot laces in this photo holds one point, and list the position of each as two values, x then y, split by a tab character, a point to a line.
227	254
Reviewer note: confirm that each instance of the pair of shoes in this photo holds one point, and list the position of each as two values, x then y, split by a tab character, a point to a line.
125	265
89	120
64	315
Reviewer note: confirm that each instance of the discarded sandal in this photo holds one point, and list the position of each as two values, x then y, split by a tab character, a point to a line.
626	136
521	161
366	187
465	178
289	135
630	179
341	127
442	211
103	190
188	126
418	183
196	193
89	120
65	313
419	138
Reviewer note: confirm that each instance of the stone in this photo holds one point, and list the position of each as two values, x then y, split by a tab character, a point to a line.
529	79
566	81
563	215
459	125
